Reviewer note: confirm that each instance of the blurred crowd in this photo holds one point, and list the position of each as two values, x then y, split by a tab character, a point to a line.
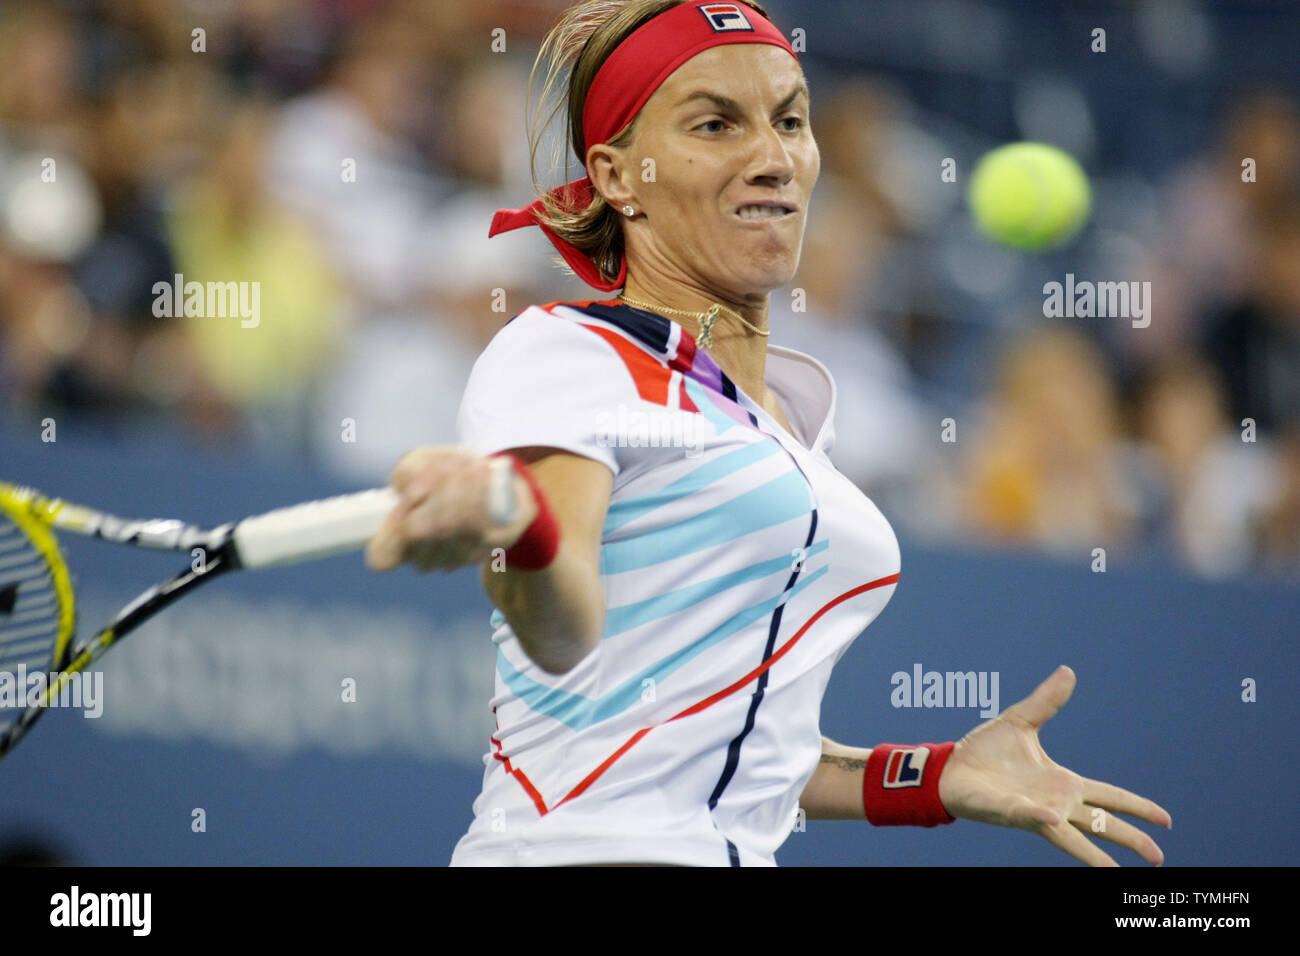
347	155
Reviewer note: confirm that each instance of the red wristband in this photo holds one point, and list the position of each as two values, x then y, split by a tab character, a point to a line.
537	546
901	785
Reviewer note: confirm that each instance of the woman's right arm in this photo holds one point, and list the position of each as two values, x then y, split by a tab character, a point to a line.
558	612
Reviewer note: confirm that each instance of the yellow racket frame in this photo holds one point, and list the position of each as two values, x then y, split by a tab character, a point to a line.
33	514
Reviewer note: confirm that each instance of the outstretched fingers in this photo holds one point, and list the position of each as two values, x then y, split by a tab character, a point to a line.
1099	823
1118	800
1065	836
1047	698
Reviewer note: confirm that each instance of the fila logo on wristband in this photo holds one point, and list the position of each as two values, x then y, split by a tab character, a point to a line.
725	16
897	790
905	768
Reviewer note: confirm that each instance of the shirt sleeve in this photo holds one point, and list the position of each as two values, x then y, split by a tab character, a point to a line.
545	380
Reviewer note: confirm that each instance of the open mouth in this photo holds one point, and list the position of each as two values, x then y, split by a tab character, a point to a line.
764	211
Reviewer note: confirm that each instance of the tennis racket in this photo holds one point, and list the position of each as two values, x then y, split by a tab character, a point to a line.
38	612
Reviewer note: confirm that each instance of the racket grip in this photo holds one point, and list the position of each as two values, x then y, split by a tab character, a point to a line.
314	530
321	529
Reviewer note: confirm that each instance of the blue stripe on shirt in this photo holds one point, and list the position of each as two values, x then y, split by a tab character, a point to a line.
579	712
629	616
629	509
775	502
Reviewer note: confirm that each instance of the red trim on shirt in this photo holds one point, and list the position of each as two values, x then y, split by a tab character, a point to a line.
650	375
522	777
685	356
704	704
610	302
685	401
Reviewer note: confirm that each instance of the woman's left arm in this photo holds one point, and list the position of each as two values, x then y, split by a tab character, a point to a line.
835	790
999	773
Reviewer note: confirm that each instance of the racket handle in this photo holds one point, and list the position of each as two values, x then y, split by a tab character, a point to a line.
321	529
314	530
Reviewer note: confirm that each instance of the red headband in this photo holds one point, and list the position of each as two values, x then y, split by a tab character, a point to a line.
623	85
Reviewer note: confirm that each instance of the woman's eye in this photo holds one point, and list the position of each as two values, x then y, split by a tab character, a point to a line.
717	126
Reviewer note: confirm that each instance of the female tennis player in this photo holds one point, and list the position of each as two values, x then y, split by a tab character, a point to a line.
686	565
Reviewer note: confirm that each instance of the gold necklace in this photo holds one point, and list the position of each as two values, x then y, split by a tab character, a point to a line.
706	319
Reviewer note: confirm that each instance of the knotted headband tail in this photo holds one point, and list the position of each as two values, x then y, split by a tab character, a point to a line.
575	196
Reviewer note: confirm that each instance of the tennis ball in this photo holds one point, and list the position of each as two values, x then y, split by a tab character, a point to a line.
1029	195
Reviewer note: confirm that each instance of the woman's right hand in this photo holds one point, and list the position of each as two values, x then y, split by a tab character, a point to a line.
443	520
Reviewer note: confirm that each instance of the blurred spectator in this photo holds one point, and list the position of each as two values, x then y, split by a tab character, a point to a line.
881	430
855	124
405	371
1045	466
40	105
1255	342
225	229
1211	224
342	158
1208	209
51	350
1278	531
1212	489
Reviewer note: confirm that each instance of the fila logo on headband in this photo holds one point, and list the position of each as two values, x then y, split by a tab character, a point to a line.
905	767
724	17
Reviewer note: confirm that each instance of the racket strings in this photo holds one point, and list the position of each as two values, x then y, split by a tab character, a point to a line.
10	542
30	617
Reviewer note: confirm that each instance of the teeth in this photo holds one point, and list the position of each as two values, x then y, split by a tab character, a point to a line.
762	212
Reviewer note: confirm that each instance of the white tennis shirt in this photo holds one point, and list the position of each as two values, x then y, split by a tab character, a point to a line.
737	566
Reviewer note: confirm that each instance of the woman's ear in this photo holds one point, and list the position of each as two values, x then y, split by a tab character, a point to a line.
606	168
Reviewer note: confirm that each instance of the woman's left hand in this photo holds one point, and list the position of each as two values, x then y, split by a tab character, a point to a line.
999	773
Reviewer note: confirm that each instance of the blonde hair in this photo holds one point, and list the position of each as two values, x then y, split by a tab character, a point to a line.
577	47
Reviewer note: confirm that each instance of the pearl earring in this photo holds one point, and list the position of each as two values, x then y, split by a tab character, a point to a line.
629	211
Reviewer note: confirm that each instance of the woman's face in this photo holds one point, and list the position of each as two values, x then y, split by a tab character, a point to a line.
729	129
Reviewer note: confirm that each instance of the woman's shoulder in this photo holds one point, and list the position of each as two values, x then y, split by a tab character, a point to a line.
550	315
600	326
554	321
574	311
557	338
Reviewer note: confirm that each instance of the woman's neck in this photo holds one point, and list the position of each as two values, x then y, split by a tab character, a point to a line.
739	351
